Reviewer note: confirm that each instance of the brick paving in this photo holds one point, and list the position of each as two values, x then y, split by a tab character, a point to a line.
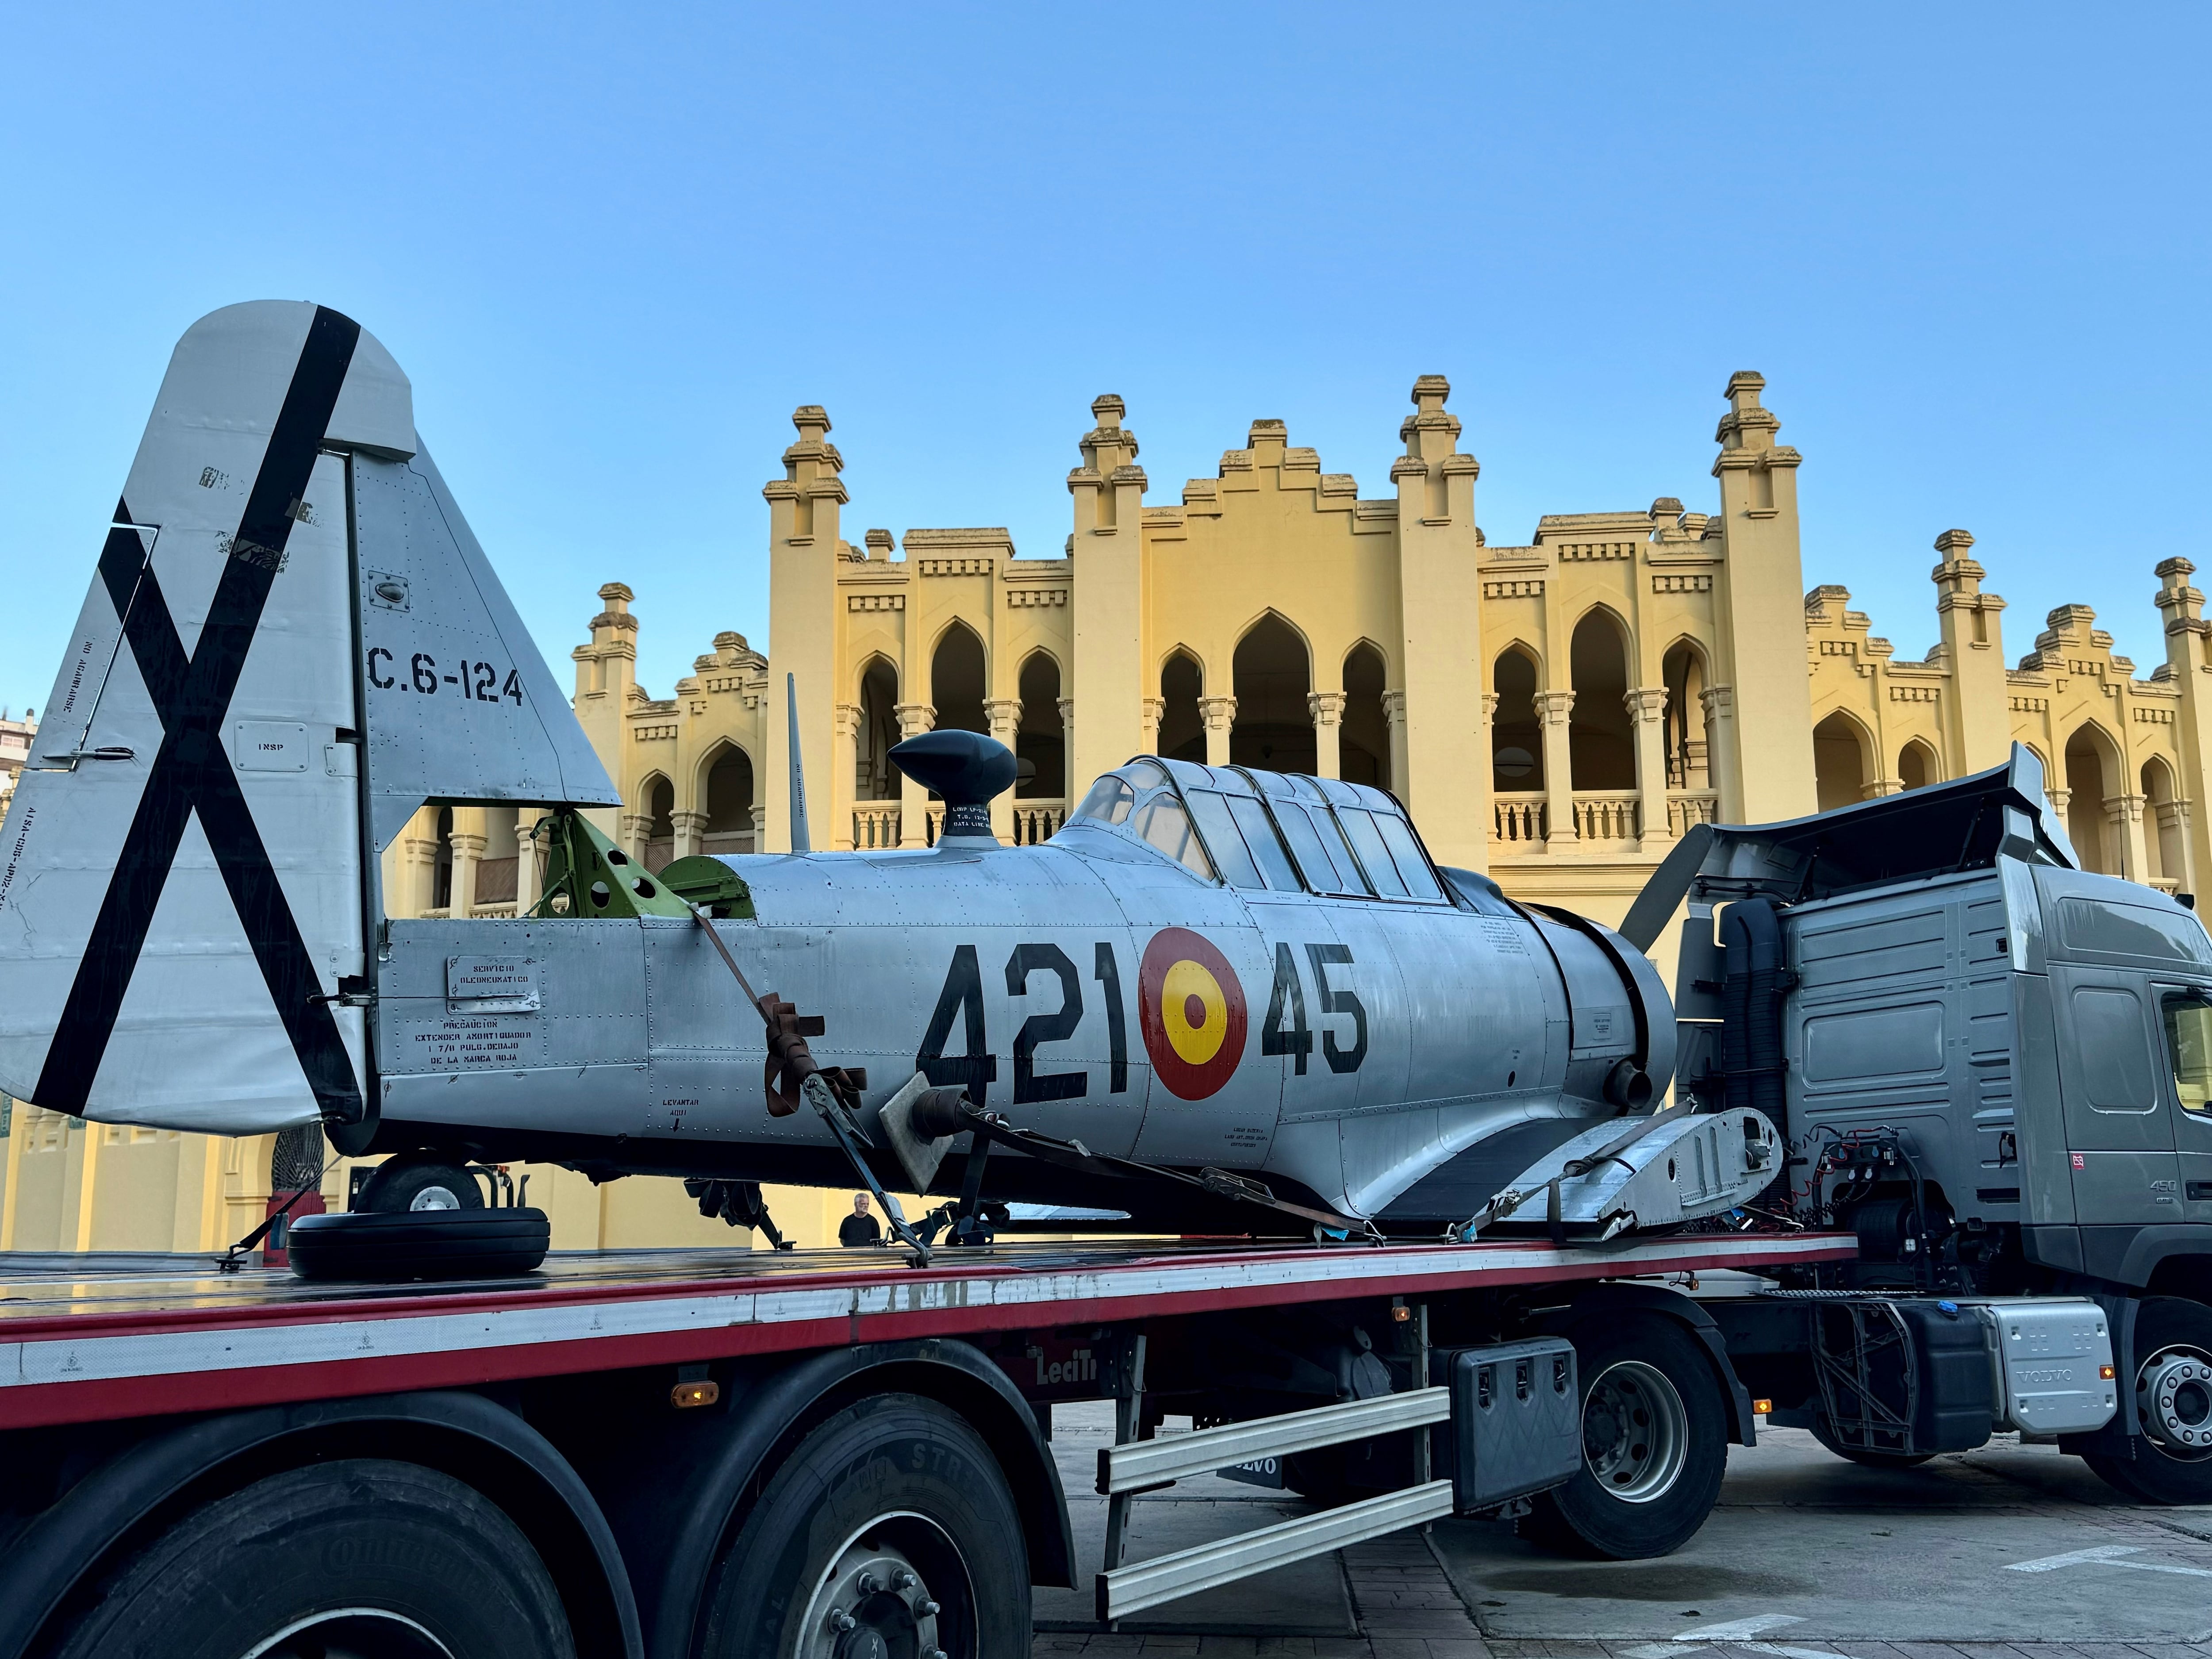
1405	1606
1408	1609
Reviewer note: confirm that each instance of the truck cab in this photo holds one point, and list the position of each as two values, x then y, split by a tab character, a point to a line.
1991	1065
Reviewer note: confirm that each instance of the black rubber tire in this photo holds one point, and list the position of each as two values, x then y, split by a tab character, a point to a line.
360	1533
395	1184
1584	1518
889	1453
359	1244
1318	1476
2155	1475
1866	1460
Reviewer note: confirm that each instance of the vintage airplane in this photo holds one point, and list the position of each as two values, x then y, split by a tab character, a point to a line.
1217	997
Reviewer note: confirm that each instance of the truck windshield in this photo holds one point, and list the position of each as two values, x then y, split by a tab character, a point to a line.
2189	1042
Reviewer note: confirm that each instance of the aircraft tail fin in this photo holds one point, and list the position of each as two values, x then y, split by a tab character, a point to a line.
290	642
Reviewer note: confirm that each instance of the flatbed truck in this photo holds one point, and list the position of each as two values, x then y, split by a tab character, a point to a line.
1988	1076
706	1453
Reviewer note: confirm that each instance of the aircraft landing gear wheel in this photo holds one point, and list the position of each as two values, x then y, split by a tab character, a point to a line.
420	1217
2174	1400
1655	1445
889	1534
362	1557
415	1182
363	1244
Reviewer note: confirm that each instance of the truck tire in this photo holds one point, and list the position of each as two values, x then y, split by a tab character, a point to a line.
1655	1445
892	1487
2174	1337
386	1560
361	1244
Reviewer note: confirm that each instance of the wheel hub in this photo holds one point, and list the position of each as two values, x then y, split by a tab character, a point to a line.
351	1633
1636	1431
2175	1392
872	1604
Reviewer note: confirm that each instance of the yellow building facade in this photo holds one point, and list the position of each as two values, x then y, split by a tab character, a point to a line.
1557	713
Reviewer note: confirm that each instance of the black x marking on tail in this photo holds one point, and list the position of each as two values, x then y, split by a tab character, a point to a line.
193	771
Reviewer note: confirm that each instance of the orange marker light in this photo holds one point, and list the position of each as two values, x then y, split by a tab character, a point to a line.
686	1394
1760	1407
2105	1372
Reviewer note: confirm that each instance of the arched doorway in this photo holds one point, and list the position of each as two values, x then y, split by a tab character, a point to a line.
1272	673
957	681
729	797
1601	749
1041	738
874	777
1363	747
1682	672
1916	767
1839	763
660	824
1182	734
2088	780
442	871
1517	735
2162	825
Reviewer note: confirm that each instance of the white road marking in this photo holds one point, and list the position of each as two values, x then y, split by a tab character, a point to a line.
2053	1563
1740	1630
2106	1555
1736	1633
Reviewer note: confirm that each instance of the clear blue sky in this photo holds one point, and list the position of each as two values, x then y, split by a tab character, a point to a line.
1965	245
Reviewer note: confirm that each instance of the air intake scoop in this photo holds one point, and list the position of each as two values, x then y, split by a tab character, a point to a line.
966	771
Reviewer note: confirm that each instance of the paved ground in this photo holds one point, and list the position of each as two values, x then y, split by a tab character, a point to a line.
2008	1553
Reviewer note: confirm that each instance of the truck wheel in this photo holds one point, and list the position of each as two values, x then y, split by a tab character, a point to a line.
889	1534
1318	1475
361	1557
2173	1400
1655	1445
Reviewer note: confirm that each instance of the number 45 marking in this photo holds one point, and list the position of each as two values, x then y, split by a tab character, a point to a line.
1288	1001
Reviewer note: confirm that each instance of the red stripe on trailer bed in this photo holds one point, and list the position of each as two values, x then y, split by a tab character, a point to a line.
129	1344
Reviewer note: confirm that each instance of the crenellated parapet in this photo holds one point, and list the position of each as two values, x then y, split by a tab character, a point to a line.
1557	711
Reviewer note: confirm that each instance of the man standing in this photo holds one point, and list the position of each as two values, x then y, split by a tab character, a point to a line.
859	1227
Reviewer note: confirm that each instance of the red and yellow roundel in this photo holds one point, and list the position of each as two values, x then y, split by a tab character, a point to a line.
1192	1009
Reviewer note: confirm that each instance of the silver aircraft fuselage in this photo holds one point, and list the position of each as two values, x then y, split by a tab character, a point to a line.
1205	967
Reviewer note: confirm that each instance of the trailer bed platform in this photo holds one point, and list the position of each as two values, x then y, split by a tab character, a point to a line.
85	1338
